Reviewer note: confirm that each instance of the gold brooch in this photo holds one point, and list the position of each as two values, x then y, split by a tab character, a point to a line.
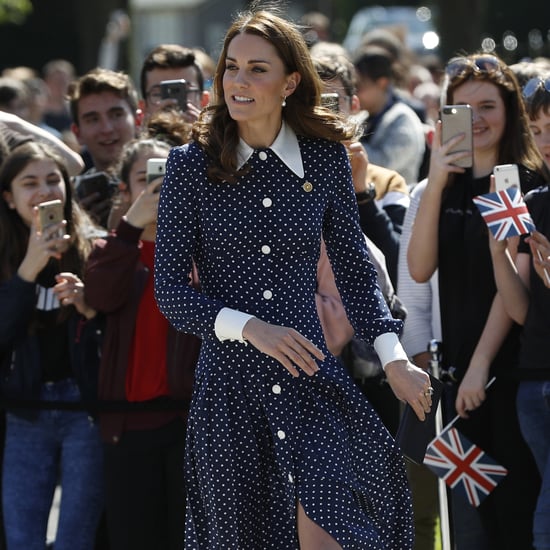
307	187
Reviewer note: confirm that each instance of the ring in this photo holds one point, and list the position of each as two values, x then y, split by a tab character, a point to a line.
429	391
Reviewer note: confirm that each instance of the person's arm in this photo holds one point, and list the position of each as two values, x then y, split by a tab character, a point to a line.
336	327
512	279
422	253
471	392
111	267
420	325
72	159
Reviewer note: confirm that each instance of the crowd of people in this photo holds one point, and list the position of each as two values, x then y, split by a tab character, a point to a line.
219	357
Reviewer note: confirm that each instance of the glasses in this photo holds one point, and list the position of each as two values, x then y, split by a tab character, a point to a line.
534	84
458	66
154	95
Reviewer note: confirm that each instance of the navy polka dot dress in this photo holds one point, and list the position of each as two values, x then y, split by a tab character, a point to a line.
259	440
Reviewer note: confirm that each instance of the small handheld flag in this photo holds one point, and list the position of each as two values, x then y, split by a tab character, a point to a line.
463	466
505	213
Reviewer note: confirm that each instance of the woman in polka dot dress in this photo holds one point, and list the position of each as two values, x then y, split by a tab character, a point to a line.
283	451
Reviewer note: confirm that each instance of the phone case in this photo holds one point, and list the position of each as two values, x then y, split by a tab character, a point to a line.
175	89
457	119
506	175
50	213
156	168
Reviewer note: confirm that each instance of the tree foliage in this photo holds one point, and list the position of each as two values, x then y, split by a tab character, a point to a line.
14	11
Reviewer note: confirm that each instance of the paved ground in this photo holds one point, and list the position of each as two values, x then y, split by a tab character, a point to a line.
54	516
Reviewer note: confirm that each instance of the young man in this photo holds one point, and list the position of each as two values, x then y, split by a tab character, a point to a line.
172	62
104	107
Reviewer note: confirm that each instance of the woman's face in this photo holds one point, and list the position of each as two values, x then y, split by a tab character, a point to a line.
138	172
540	128
489	113
39	181
255	82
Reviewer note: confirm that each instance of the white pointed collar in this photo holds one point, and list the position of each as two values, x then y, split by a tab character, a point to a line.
285	147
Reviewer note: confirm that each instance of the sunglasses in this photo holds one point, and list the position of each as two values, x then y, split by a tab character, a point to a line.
534	84
459	66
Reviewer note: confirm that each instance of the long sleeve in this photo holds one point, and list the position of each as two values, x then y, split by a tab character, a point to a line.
421	299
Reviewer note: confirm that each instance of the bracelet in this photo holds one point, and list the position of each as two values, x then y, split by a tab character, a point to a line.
364	197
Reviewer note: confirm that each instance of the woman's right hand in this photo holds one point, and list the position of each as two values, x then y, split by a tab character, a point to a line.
42	246
441	161
284	344
144	210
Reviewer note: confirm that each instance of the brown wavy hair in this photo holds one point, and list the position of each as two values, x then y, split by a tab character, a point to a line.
517	144
14	233
217	132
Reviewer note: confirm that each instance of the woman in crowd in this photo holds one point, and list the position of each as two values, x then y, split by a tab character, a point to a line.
282	451
527	301
144	362
479	339
50	352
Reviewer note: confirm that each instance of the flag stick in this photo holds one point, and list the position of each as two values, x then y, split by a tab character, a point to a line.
444	523
546	276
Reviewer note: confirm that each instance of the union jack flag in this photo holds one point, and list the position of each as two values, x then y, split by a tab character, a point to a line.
505	213
463	466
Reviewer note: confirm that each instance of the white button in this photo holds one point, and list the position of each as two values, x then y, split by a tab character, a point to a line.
290	478
281	434
276	389
262	155
266	249
267	202
268	294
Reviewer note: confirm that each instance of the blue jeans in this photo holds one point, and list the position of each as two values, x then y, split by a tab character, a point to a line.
533	404
57	445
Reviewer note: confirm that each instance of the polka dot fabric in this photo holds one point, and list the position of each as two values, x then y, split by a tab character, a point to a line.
258	439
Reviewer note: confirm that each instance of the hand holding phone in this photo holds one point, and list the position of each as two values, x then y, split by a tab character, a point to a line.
175	89
506	175
51	213
156	168
457	119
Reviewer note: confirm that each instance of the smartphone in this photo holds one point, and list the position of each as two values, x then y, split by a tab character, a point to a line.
457	119
51	213
156	168
331	101
506	175
175	89
96	182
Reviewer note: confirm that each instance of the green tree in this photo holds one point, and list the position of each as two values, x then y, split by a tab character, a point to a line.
14	11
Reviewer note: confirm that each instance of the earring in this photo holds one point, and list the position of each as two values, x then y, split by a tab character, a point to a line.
284	101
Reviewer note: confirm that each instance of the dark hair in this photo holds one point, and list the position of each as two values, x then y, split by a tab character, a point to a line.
14	233
169	56
133	149
101	80
374	62
168	126
517	144
217	132
332	63
539	100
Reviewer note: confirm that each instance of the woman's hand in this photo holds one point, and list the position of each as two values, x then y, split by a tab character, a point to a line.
144	210
284	344
359	161
471	391
540	249
70	291
410	384
442	161
43	245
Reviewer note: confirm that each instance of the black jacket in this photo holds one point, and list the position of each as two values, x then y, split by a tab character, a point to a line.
21	366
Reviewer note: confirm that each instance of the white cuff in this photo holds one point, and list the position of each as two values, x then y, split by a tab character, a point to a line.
229	324
389	348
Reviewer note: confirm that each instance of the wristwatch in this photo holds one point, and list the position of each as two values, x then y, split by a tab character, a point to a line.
368	195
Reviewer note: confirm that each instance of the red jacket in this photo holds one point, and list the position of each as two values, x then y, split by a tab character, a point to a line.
114	282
